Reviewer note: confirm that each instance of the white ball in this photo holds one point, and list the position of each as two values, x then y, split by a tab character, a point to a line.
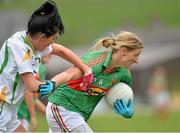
118	91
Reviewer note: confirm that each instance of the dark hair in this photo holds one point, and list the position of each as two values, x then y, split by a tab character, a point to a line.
46	20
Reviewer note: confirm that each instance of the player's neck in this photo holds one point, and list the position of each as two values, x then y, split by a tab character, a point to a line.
115	62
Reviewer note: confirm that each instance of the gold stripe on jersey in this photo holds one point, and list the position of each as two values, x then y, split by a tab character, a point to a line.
27	56
27	41
3	94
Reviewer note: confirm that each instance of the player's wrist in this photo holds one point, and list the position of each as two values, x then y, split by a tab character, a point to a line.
54	85
89	71
51	85
46	88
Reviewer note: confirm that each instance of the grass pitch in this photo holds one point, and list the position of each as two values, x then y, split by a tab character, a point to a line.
139	123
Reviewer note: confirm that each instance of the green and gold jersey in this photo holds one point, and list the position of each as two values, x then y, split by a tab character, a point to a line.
68	96
17	56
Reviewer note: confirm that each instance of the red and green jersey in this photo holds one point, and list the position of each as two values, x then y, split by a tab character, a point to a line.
68	96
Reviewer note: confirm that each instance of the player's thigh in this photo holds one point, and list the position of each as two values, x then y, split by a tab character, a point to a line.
20	129
15	124
61	119
25	124
55	119
8	120
4	118
82	128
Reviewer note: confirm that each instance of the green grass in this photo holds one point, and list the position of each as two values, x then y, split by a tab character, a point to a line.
86	20
139	123
42	123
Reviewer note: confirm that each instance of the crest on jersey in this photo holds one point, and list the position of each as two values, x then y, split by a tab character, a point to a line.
95	90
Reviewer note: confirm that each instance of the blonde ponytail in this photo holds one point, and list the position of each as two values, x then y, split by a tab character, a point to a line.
106	42
123	39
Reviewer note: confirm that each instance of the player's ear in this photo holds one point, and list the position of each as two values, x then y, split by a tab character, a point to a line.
124	50
40	36
43	36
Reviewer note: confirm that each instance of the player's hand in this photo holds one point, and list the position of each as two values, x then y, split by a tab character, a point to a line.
121	108
46	88
86	80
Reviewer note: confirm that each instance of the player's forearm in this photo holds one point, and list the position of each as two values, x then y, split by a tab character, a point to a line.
30	103
40	106
70	56
60	78
69	74
31	83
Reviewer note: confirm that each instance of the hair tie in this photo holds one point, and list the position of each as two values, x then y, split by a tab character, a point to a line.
114	42
42	13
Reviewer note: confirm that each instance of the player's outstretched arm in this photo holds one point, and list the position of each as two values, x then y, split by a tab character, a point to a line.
71	73
70	56
34	85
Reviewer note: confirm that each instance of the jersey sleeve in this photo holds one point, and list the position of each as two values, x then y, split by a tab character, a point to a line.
94	61
85	58
22	56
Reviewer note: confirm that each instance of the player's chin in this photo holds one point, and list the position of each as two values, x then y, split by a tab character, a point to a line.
41	49
130	64
127	66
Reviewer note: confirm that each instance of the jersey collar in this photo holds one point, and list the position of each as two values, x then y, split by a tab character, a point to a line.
108	58
107	61
27	41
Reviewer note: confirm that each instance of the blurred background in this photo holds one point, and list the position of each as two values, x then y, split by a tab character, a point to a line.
156	79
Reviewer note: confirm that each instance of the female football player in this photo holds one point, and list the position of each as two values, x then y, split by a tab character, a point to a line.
70	105
19	61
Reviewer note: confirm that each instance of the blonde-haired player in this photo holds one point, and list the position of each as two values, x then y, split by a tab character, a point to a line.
70	106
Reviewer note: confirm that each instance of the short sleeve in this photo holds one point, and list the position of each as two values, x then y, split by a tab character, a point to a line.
95	61
22	56
85	58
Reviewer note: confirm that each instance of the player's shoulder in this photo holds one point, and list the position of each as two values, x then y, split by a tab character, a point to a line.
125	76
95	54
17	40
124	72
19	36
